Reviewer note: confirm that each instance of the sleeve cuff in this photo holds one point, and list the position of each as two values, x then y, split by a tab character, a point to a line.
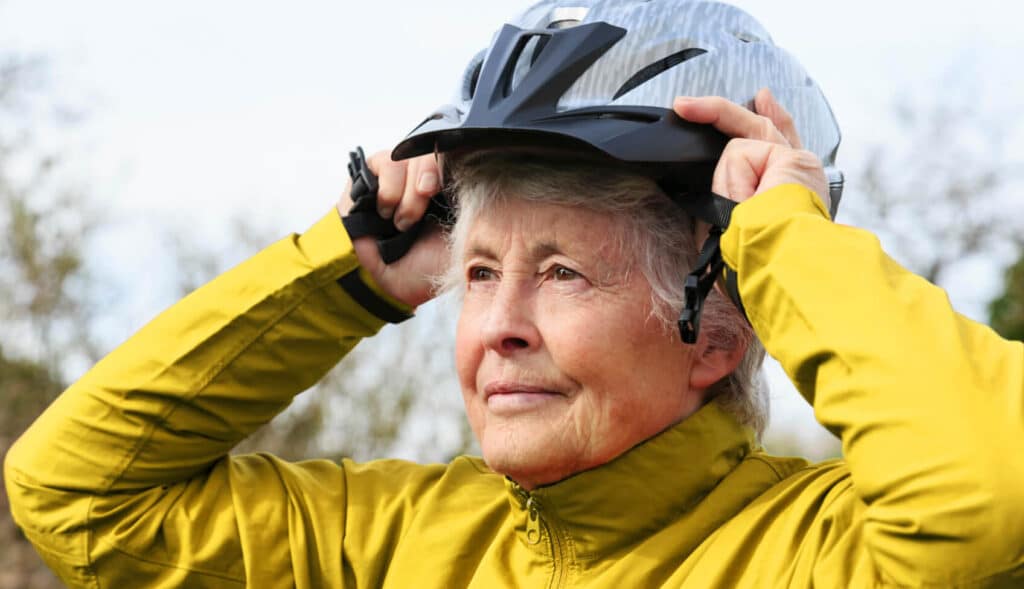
326	240
765	209
360	286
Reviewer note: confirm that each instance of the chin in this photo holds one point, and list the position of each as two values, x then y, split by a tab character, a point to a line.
529	458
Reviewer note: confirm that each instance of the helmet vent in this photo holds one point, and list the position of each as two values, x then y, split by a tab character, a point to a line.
474	78
657	68
746	36
471	77
529	47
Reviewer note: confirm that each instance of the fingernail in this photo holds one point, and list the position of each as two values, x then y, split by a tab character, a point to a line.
386	212
428	183
683	99
402	223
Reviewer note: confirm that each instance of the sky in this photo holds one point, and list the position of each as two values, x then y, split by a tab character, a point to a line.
196	112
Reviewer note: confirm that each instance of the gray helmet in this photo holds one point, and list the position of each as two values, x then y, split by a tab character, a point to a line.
602	74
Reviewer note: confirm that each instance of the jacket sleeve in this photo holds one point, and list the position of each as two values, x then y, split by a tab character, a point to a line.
929	405
125	482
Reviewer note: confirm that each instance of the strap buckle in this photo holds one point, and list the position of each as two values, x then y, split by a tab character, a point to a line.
699	283
363	219
715	210
364	181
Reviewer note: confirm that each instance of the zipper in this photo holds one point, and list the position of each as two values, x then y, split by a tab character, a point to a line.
534	522
558	577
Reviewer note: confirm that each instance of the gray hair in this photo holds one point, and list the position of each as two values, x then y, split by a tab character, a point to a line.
654	232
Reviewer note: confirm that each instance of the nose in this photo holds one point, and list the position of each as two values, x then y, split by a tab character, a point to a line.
510	326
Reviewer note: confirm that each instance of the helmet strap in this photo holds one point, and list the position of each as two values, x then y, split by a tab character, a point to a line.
717	211
699	283
363	218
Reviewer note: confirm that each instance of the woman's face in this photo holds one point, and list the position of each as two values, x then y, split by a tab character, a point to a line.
561	363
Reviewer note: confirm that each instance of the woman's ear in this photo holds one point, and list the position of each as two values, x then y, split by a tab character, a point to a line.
712	363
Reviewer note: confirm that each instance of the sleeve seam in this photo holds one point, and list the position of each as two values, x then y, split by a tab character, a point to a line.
199	386
176	567
201	383
771	467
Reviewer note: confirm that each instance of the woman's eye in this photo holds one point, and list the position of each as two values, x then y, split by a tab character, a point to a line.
480	273
563	273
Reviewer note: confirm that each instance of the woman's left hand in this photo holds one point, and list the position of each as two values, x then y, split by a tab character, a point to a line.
765	152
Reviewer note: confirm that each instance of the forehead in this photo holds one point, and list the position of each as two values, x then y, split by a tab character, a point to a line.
543	229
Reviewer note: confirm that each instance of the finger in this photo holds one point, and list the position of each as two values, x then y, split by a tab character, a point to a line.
422	181
737	175
742	180
795	166
765	104
368	253
728	117
391	182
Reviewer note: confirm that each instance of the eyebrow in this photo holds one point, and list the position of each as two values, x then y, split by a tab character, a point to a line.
545	249
538	252
477	250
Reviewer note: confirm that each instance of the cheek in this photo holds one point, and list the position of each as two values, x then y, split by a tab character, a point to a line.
468	355
622	356
591	339
468	351
585	349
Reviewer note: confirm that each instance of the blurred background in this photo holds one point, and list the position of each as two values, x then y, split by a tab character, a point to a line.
145	147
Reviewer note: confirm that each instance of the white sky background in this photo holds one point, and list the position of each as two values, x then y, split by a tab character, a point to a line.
198	110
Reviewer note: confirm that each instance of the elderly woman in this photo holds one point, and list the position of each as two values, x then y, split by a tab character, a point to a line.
618	449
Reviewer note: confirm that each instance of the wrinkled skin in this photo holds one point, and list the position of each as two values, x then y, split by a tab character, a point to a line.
561	366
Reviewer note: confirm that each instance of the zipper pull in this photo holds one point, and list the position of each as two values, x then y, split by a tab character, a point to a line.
532	522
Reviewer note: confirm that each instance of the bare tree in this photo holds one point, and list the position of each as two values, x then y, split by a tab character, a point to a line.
44	310
936	191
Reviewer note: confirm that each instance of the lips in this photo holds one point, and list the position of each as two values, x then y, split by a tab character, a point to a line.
510	398
500	387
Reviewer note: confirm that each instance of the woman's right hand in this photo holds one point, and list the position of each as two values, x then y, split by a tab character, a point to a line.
765	150
405	191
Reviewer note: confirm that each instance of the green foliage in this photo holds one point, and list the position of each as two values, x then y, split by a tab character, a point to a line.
1006	313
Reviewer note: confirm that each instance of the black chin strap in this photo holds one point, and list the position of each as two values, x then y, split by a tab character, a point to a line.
717	211
363	219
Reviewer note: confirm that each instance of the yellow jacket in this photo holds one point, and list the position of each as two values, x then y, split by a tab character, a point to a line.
125	481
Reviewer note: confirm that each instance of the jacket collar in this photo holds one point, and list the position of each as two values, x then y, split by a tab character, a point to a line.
604	509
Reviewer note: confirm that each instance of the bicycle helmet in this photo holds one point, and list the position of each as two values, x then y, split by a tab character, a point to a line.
602	74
